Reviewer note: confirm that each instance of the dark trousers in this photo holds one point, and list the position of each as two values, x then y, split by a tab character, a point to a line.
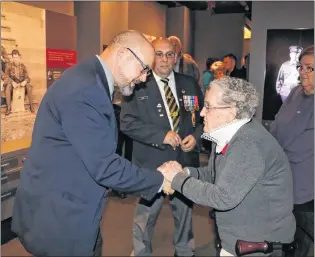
304	216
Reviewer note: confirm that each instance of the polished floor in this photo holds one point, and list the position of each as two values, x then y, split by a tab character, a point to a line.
117	230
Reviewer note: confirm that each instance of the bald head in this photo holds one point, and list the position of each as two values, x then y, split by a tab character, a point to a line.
130	38
162	41
129	57
164	57
176	43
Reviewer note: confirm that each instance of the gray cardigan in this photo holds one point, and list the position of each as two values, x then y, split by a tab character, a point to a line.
253	191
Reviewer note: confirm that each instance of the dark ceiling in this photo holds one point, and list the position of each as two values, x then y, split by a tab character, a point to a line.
219	6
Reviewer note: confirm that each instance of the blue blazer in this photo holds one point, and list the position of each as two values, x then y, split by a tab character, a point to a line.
70	166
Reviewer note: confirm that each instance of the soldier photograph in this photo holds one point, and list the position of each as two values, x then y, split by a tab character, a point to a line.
288	76
18	75
283	49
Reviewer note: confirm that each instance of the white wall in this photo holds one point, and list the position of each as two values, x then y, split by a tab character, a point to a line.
217	35
273	15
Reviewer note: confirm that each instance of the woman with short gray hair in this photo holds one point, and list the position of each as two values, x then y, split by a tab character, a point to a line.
248	181
239	93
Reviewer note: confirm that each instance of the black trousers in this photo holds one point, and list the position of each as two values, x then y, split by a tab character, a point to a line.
304	216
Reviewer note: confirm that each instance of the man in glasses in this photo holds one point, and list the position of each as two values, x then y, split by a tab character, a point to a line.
162	117
71	163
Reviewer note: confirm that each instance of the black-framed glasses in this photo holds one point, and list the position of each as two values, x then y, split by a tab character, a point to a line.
307	69
209	107
146	69
168	55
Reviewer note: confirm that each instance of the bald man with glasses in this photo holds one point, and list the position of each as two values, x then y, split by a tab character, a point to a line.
71	163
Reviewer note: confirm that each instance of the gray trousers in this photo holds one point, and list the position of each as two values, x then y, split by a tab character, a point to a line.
146	217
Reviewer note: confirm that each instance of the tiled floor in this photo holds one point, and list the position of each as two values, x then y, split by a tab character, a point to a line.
118	225
117	230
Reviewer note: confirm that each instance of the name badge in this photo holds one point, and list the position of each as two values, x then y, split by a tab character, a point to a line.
142	97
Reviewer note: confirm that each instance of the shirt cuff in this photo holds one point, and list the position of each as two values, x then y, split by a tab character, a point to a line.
161	188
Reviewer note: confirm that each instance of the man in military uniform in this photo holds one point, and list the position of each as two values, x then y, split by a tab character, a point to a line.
288	74
17	72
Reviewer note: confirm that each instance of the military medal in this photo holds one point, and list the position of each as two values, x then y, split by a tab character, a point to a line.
191	104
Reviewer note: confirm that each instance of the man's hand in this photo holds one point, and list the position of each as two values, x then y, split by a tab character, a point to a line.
170	169
167	189
23	84
188	143
172	139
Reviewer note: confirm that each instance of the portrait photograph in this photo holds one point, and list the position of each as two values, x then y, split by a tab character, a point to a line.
283	49
23	73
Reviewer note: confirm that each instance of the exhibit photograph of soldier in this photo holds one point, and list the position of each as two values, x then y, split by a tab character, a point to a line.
283	48
288	76
17	72
24	74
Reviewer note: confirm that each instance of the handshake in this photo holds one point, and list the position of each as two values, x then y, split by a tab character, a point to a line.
169	170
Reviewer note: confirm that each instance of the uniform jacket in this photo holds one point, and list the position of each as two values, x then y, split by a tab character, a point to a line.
144	119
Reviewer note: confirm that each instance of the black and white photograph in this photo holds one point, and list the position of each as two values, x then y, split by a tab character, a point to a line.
284	47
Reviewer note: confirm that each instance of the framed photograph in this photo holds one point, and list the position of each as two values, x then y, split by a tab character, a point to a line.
284	47
23	77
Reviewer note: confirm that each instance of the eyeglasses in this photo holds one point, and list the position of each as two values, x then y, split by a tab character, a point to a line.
146	69
307	69
208	107
168	55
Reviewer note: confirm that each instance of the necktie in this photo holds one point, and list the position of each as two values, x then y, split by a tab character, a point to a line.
172	106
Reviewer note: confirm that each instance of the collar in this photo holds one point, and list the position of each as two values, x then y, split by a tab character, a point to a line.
223	134
109	76
158	78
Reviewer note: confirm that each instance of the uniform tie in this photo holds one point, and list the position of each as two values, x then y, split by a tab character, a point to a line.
172	106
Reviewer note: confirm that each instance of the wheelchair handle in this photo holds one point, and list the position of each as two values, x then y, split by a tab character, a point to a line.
245	247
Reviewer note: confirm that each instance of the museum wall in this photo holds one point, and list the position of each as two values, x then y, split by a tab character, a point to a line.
147	17
65	7
88	28
273	15
217	35
180	22
113	13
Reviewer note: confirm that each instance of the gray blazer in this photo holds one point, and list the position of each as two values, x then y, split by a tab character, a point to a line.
252	189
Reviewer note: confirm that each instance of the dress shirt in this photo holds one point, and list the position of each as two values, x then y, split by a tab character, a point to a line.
109	77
